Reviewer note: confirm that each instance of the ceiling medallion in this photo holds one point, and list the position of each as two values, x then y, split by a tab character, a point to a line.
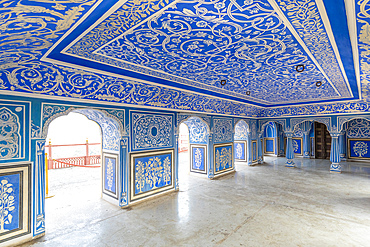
318	83
299	68
223	82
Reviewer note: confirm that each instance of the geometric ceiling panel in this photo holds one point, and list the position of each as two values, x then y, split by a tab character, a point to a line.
254	45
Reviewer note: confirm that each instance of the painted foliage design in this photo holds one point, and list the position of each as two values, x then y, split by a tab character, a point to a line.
110	174
299	13
295	146
22	48
198	130
152	172
223	130
358	128
9	134
224	158
360	148
242	40
198	158
152	130
241	130
9	200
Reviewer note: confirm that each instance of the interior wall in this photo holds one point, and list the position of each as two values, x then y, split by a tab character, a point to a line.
358	139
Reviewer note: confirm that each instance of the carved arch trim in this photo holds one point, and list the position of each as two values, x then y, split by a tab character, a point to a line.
66	110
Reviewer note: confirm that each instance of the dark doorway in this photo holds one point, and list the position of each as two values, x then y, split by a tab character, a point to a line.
322	141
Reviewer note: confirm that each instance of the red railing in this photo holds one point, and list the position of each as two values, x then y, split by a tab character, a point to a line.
82	161
183	143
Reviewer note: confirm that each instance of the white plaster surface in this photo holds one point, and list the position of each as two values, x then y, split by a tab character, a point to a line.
263	205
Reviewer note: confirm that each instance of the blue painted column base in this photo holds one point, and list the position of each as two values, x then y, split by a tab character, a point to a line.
260	160
289	150
289	163
335	167
306	155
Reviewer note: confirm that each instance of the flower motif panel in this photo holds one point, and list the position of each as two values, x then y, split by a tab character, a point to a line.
151	173
198	158
151	131
9	202
359	148
240	150
223	158
297	146
110	174
15	201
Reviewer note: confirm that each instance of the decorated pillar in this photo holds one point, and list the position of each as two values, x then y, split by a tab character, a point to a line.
249	148
335	153
123	199
259	147
342	146
210	157
289	149
281	144
177	160
306	145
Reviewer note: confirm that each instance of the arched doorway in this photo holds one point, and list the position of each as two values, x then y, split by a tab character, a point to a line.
197	132
242	143
110	182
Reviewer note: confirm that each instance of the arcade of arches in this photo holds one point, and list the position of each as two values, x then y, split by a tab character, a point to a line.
274	96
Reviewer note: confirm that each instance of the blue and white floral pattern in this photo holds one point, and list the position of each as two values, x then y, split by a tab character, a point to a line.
151	131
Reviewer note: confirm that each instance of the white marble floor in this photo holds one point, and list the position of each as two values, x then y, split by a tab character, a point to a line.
264	205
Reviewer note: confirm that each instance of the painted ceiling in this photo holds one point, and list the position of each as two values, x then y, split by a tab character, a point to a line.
174	54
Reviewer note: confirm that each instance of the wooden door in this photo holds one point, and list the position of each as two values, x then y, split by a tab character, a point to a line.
322	141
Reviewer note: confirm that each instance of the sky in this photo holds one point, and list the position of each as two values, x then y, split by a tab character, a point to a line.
74	128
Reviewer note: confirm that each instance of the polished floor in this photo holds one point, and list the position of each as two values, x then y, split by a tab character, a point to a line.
264	205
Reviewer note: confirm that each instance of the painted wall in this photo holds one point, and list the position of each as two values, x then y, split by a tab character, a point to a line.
198	140
269	136
358	139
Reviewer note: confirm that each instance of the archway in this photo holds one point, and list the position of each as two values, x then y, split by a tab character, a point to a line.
112	183
272	140
198	145
242	143
313	138
354	140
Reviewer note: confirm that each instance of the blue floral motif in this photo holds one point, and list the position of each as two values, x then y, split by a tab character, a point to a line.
151	131
222	130
152	173
198	130
358	128
10	137
241	130
204	43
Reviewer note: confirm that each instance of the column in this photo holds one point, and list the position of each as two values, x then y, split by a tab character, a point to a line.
259	148
123	171
306	145
210	157
289	150
177	161
342	146
335	154
281	144
249	149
